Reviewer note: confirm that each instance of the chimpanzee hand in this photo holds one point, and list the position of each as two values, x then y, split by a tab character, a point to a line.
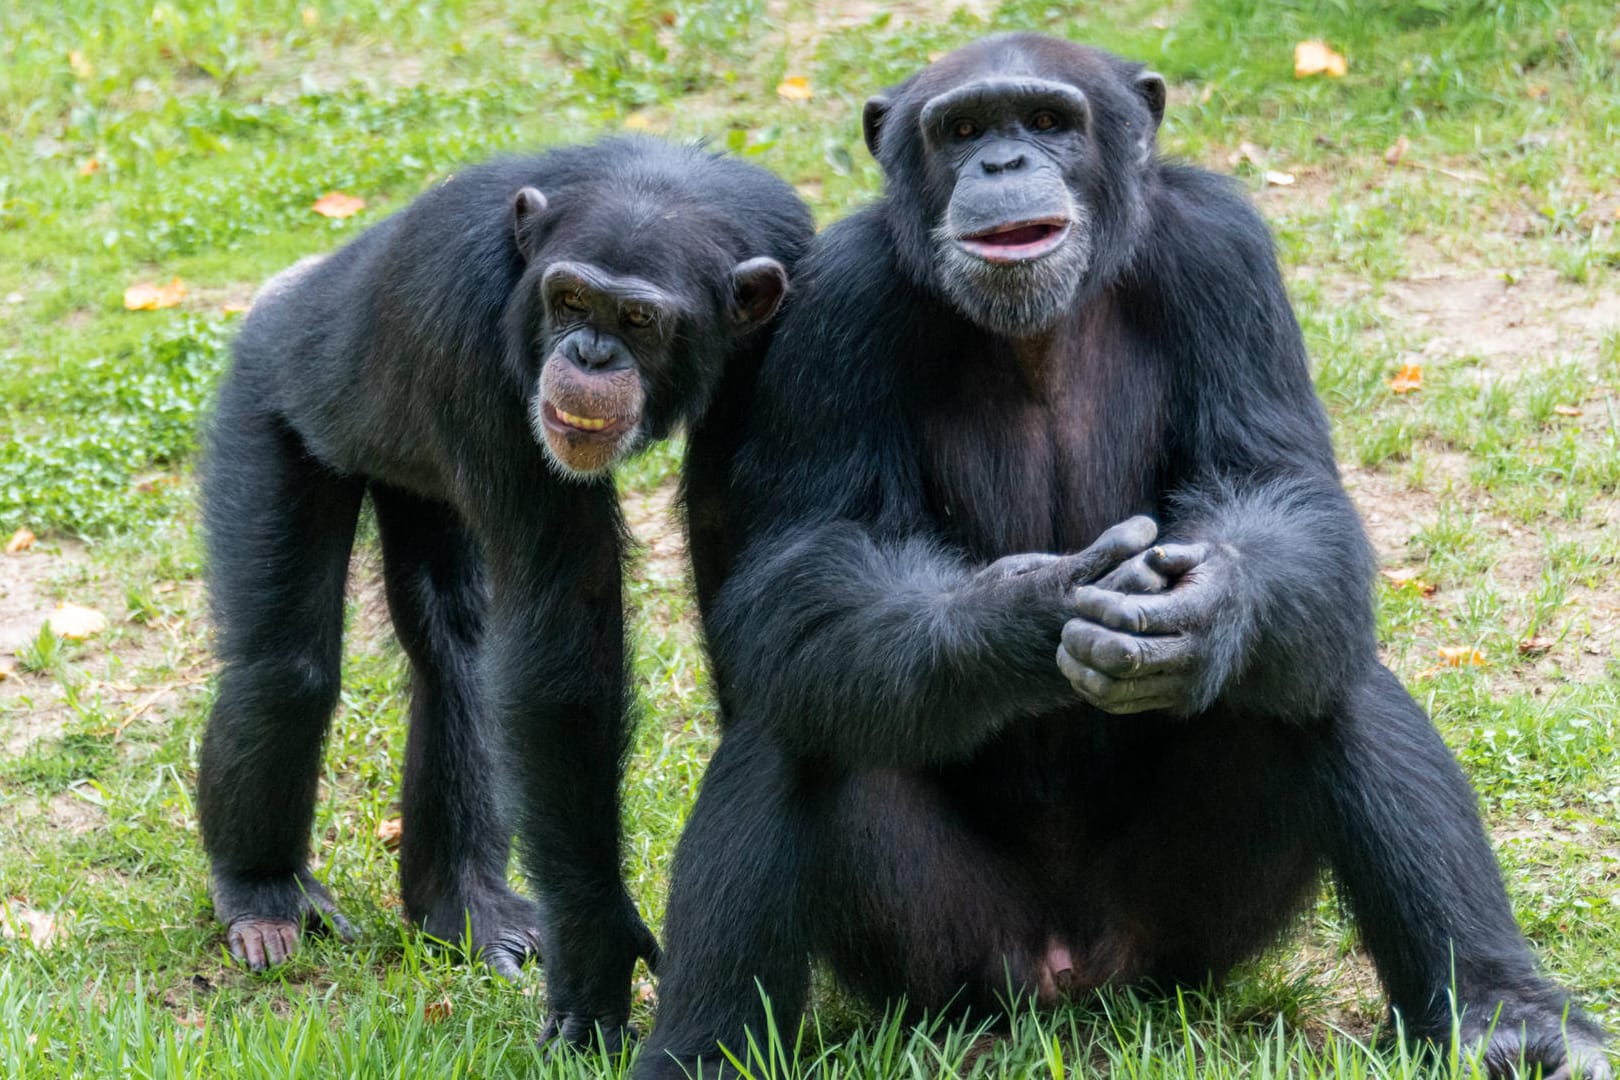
1134	648
1105	555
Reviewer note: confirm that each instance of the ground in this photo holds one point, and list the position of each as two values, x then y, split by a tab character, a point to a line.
1451	203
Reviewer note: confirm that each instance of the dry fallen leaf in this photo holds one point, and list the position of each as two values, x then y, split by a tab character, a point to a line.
335	204
1408	379
233	309
645	992
90	167
1397	151
1536	646
20	923
144	296
1315	58
8	668
795	88
389	831
1567	410
81	67
437	1011
1461	656
153	481
1407	578
309	16
21	540
76	623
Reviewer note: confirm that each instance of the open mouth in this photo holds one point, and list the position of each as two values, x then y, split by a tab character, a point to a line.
1017	241
588	425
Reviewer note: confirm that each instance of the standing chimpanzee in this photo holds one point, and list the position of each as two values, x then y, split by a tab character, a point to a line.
1042	330
476	363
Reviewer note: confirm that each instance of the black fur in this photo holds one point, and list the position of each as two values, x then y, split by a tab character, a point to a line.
408	365
908	788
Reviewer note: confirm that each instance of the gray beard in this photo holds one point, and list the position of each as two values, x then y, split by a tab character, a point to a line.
1015	300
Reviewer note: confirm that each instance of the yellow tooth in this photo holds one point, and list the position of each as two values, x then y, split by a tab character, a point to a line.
584	422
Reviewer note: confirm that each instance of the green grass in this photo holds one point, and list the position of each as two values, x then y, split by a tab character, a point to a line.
214	125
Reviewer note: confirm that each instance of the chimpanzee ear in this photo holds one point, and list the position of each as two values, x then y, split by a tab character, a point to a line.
757	288
1150	84
872	117
528	206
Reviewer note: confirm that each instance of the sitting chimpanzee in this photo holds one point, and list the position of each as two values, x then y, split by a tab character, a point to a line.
1042	330
476	363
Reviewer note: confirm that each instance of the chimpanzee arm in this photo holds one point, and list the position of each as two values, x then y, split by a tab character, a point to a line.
1269	611
890	651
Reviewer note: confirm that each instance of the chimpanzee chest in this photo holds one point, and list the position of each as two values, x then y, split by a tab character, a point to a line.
1020	461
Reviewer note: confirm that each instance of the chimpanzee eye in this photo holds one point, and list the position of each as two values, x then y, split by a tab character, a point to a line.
1043	121
573	300
964	129
638	316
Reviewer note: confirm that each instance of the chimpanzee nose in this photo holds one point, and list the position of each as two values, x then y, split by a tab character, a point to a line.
593	352
1003	160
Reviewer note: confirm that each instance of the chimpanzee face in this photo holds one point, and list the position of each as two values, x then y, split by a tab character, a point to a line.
1010	162
626	355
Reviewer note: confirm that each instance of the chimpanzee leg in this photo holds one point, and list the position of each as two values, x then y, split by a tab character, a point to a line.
280	526
873	873
734	929
554	662
453	851
1406	844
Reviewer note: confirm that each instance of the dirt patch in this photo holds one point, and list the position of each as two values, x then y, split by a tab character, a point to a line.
654	523
28	593
1535	320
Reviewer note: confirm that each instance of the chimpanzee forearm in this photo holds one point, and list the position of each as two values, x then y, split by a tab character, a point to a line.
890	653
1299	619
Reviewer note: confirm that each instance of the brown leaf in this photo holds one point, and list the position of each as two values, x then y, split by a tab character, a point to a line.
1536	646
90	167
389	830
1461	656
20	923
192	1020
1408	379
76	623
1397	151
335	204
795	88
645	992
144	296
1567	410
153	481
8	668
1407	579
1315	58
436	1012
21	540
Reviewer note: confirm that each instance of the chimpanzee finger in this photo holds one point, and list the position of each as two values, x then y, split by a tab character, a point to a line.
1165	613
1134	575
321	920
1174	560
275	947
504	961
1121	695
1122	655
246	947
1113	547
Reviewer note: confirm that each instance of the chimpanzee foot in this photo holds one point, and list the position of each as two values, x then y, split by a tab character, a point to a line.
265	919
577	1031
492	923
1526	1039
